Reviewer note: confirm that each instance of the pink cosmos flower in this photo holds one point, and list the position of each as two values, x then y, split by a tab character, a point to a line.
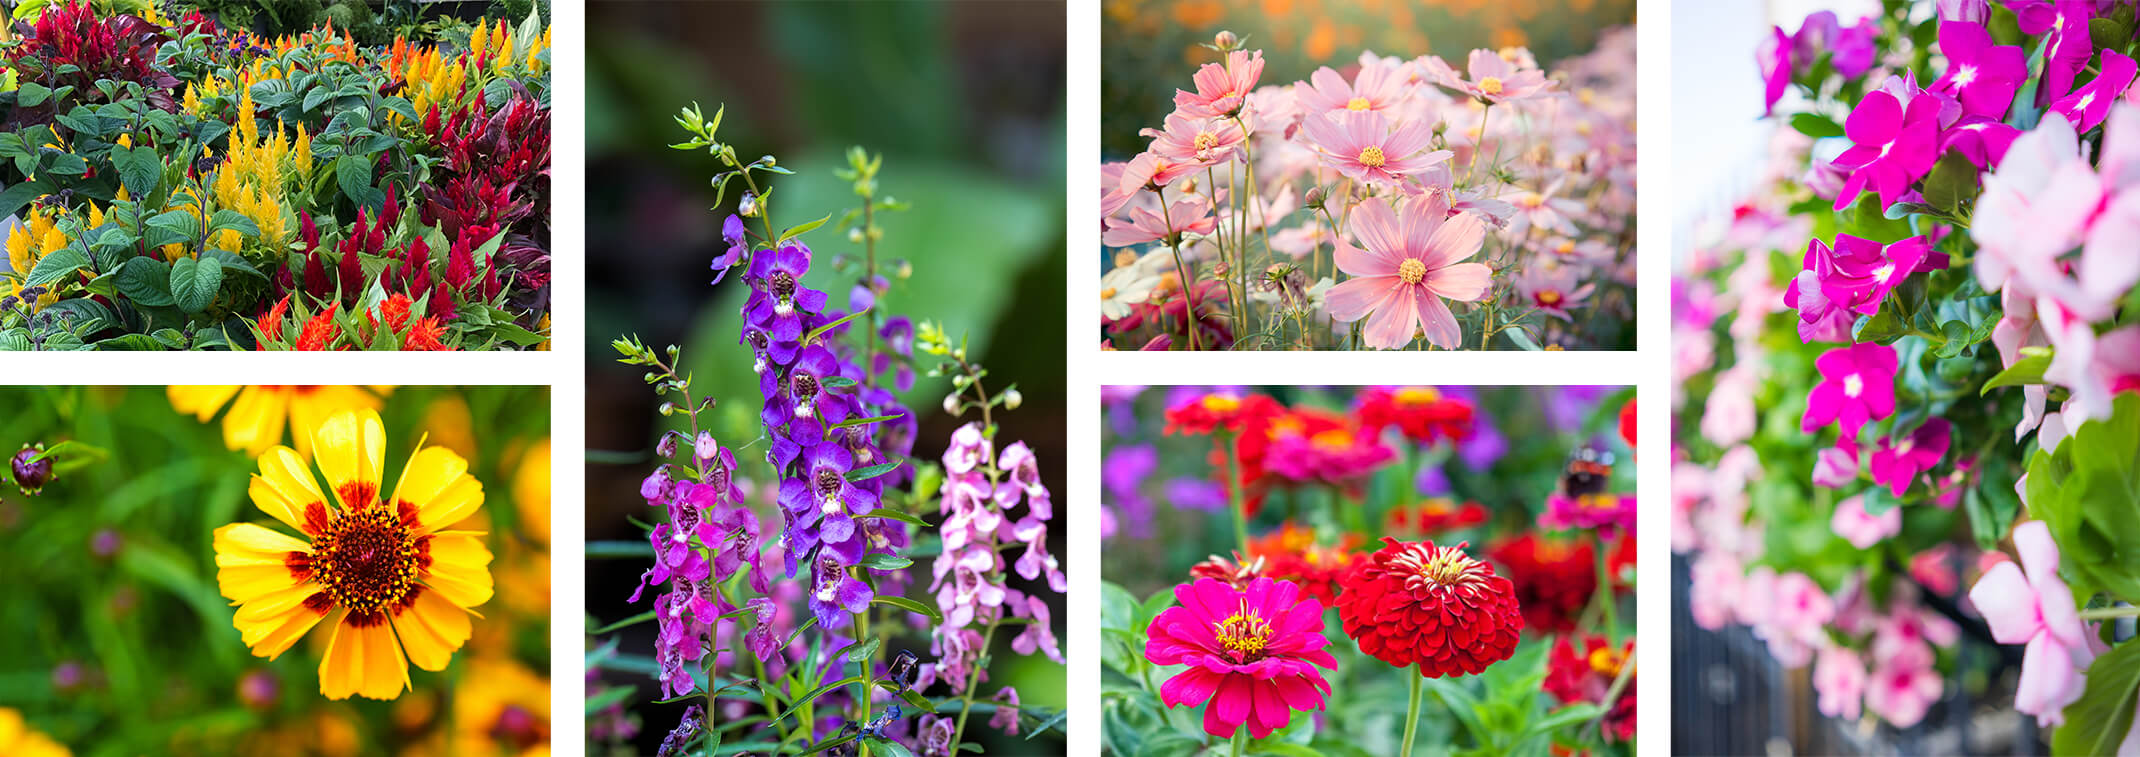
1251	654
1839	679
1494	79
1552	289
1120	182
1196	143
1981	75
2069	48
1379	87
1894	134
1221	89
1862	529
1541	209
1192	215
1364	147
1857	386
1902	689
1407	266
1897	464
2036	608
2090	104
1837	466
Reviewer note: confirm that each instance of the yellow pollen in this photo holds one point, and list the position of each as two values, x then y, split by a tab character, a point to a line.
1244	633
1220	403
1108	293
1371	156
1125	258
1605	661
1206	140
1533	200
1548	298
1490	85
1585	95
1334	439
1418	396
1567	247
366	560
1357	103
1411	271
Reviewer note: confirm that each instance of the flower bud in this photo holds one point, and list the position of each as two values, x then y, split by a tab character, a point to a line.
1314	197
31	474
259	690
705	448
748	206
951	404
855	235
1226	41
1012	399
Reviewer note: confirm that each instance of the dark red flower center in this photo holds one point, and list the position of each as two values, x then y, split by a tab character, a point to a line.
367	560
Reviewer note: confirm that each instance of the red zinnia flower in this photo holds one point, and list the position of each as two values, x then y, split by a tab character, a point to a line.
1588	677
1219	410
1291	554
1421	412
1435	516
1627	422
1415	603
1251	653
1309	445
1554	578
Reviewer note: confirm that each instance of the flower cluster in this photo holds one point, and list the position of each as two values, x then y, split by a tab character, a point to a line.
1354	209
981	489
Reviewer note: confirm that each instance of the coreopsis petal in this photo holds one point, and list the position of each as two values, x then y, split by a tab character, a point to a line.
363	659
351	451
459	568
431	629
437	483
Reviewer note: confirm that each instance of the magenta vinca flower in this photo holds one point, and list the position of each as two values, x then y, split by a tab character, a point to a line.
2037	610
1897	463
2068	50
1408	265
1981	75
1192	215
1894	135
1191	144
1981	139
1251	654
1857	386
1378	87
1222	89
2089	104
1774	58
1850	49
1364	147
1852	279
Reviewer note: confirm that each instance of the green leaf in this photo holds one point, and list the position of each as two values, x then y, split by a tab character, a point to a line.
864	650
2028	370
1582	712
1118	608
865	474
909	605
857	421
603	699
803	228
1816	125
1953	181
171	226
231	219
2100	719
353	173
887	747
145	281
890	514
140	169
881	561
60	264
821	330
194	283
31	94
837	382
626	623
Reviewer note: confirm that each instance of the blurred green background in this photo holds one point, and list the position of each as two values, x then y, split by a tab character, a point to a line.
1149	48
118	642
965	100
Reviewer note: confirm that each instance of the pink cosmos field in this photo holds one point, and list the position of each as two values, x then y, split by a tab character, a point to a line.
1392	203
1907	381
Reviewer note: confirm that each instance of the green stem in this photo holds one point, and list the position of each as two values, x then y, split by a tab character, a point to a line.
869	674
1181	270
1471	175
966	707
1612	628
1240	740
1411	713
2106	613
1235	498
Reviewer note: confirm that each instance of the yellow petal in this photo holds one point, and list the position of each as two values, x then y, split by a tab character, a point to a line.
363	659
273	622
436	481
202	402
255	421
460	569
350	448
252	561
431	628
285	488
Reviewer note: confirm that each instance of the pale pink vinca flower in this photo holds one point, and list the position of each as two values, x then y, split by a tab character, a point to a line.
1903	688
1863	529
1365	147
2036	608
1839	679
1406	264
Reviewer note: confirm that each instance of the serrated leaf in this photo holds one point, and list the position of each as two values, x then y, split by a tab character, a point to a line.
60	264
145	281
353	173
140	169
194	283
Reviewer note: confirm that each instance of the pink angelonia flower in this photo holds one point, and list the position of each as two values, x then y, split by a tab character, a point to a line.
1857	386
2090	104
1837	466
1191	216
1903	688
1196	142
1982	76
1863	529
1364	147
1222	89
1897	464
1894	135
1494	79
1251	654
1407	266
2036	608
2068	50
1839	679
1378	87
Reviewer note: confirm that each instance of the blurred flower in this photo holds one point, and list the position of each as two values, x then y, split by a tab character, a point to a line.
1292	554
389	576
1421	412
1254	665
256	420
1609	513
1553	578
1586	675
1415	603
450	424
18	739
1435	516
1311	445
501	708
1863	529
531	491
259	690
2037	610
1839	678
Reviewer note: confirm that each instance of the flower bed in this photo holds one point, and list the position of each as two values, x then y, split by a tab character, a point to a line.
1405	204
1253	615
181	185
1913	353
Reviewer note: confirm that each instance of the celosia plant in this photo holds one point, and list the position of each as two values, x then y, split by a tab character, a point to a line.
1911	351
1300	638
783	566
188	186
1401	204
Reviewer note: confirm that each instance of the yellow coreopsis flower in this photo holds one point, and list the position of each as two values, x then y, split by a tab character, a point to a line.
383	573
255	422
18	739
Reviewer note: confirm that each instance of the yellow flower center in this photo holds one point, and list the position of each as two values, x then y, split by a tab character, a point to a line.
1125	258
367	560
1357	103
1606	661
1220	403
1549	298
1411	271
1598	501
1108	293
1418	396
1533	200
1490	85
1566	248
1334	439
1586	95
1244	633
1371	156
1206	140
1440	565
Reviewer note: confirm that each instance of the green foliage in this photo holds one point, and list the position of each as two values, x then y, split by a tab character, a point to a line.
2088	492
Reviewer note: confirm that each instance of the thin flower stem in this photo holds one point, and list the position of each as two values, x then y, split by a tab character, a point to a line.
973	682
1235	498
1619	684
1240	740
1471	175
869	279
1411	713
2106	613
1612	629
1181	269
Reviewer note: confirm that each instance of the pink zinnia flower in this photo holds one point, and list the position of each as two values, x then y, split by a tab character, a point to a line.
1407	267
1363	146
1839	679
1897	464
1981	75
1894	135
1862	529
1378	87
1609	513
1196	142
1192	215
2090	104
1249	654
1857	386
2037	609
1494	79
1221	89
